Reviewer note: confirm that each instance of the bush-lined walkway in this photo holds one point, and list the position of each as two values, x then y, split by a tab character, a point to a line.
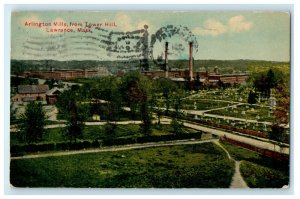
237	179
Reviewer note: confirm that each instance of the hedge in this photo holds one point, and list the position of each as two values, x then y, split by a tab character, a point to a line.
18	150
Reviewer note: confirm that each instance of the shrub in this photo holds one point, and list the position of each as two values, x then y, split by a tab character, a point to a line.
263	177
177	126
96	144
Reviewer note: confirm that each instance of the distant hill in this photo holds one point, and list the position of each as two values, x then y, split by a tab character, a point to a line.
225	66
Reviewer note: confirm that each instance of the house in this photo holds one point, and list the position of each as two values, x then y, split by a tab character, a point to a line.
27	93
51	95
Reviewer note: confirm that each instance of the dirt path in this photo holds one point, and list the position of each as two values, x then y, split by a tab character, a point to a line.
116	148
237	179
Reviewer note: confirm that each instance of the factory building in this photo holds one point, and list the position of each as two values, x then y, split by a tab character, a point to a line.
66	74
205	77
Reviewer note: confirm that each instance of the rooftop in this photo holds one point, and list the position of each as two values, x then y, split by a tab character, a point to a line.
32	89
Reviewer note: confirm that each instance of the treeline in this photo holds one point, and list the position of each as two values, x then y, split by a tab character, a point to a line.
225	66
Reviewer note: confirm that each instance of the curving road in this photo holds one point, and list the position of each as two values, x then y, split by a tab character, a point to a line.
264	144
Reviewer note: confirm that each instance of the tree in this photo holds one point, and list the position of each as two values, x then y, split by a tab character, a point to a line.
271	79
74	125
13	114
138	92
277	133
146	101
107	89
132	92
259	84
166	87
50	83
146	119
177	96
70	105
177	126
266	80
110	130
221	84
32	122
197	82
281	112
252	98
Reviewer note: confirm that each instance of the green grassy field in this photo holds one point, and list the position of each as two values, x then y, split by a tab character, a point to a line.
259	171
186	166
202	104
250	113
233	95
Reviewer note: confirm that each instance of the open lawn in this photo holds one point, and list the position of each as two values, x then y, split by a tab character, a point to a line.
232	94
185	166
259	171
202	104
246	112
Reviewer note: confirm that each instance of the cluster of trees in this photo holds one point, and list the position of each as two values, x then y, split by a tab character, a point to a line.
264	82
275	79
197	85
16	81
107	96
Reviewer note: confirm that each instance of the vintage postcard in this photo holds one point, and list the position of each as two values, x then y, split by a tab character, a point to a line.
152	99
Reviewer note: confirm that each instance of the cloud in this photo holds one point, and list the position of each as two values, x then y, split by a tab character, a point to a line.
213	27
239	24
141	24
125	23
150	27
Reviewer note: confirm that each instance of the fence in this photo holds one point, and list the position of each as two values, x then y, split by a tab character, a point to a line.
264	152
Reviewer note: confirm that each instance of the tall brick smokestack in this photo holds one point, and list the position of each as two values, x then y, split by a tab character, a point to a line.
191	61
166	61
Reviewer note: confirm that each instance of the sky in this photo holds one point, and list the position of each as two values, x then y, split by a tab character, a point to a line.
215	35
